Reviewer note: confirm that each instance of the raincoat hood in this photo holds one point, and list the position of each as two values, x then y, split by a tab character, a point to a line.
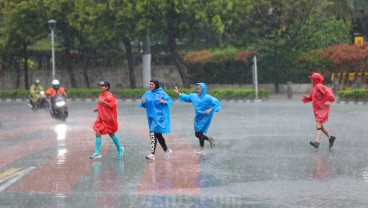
203	87
317	78
157	84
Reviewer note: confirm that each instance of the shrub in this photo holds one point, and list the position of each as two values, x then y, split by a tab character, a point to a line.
354	95
137	93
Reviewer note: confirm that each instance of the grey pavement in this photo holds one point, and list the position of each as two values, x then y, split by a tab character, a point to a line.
262	158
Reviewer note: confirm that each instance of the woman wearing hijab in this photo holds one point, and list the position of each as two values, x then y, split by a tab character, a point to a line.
204	105
321	98
157	104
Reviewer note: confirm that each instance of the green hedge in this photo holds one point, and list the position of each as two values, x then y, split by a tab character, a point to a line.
137	93
240	93
13	94
354	95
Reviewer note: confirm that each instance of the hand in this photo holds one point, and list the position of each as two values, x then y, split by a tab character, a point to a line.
102	101
143	100
176	90
161	101
95	110
208	111
327	103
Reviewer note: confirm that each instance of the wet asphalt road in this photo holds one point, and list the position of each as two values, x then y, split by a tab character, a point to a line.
262	158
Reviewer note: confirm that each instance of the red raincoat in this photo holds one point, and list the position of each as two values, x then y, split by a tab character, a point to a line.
107	119
319	95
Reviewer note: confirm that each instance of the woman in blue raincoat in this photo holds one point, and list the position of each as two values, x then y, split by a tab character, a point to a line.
157	104
205	105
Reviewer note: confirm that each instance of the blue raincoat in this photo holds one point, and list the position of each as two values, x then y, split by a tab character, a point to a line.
158	115
201	103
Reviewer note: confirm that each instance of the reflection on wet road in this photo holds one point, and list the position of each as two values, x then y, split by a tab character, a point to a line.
262	159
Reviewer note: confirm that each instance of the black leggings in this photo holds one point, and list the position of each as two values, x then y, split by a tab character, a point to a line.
154	137
201	138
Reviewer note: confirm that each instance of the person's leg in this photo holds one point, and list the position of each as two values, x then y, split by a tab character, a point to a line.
162	142
211	140
315	144
119	148
97	154
331	138
37	103
200	136
319	131
153	140
325	131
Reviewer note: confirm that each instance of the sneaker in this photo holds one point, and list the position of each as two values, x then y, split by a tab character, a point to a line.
167	154
314	144
95	155
121	153
332	140
212	141
201	152
151	157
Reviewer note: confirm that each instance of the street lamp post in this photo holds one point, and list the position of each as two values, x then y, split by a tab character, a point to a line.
52	24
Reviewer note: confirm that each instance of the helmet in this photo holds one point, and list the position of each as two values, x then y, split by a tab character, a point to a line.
37	81
55	82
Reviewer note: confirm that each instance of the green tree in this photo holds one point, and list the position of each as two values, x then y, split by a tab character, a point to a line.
22	26
61	11
182	22
279	30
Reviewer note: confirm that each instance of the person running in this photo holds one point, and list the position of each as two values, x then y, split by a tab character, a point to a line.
107	121
204	105
157	104
321	98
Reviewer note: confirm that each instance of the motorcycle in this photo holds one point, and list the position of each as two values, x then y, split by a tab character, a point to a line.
59	109
43	102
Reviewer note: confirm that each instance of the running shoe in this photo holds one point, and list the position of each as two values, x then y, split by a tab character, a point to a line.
201	152
151	157
212	141
167	154
95	155
332	140
121	153
314	144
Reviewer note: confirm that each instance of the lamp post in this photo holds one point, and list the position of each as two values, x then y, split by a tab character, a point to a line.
52	24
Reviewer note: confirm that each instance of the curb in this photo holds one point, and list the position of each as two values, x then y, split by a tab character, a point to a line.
9	100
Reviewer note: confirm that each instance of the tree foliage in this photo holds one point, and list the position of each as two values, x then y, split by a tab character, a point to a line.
103	33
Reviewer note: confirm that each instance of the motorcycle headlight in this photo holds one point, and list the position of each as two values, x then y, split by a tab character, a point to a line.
60	103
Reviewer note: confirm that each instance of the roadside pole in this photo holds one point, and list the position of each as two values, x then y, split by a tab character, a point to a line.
255	75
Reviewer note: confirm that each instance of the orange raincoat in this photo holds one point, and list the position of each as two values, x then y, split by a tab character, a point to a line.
107	119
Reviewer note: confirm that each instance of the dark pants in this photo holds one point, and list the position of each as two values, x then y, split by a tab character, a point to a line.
201	138
154	137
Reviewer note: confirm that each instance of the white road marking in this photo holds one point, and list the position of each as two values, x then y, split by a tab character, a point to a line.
11	179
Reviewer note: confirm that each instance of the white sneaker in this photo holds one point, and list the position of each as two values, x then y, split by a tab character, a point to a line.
167	154
201	152
151	157
212	141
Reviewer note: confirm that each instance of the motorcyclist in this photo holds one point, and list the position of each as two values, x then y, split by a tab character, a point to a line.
54	90
35	92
